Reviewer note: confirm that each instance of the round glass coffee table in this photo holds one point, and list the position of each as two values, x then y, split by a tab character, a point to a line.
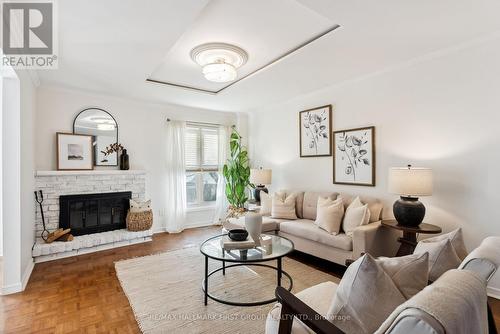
275	249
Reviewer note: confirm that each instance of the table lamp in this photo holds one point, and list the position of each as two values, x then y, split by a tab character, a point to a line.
410	183
260	177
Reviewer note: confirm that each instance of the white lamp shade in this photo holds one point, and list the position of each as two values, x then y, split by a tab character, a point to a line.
410	181
261	176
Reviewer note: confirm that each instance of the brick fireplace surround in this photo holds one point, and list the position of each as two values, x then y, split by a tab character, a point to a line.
57	183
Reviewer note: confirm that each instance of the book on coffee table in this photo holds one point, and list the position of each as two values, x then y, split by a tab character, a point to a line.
229	244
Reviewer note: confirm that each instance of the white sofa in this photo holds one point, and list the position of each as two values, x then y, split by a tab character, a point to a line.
372	238
448	289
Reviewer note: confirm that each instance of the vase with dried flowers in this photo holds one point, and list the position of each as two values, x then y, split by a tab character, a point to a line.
117	148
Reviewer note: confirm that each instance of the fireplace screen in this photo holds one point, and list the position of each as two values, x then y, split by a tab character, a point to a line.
93	213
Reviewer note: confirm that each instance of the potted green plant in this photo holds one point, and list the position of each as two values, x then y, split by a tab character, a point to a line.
237	175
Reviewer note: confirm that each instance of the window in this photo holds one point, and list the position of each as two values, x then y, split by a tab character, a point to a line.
202	159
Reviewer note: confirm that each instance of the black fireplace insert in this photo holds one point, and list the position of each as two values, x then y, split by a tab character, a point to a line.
93	213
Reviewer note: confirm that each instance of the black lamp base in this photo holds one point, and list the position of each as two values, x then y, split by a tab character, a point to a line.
409	211
257	190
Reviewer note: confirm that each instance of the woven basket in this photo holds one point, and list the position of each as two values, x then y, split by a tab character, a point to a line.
139	221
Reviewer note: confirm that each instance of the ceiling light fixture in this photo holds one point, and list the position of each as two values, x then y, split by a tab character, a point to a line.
219	60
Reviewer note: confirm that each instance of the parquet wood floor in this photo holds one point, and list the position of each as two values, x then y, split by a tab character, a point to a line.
82	294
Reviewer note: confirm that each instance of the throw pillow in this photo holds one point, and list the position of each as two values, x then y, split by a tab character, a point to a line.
409	273
283	207
329	214
266	204
139	206
457	241
375	211
356	215
442	256
371	289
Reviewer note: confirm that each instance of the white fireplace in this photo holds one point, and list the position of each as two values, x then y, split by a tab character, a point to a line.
54	184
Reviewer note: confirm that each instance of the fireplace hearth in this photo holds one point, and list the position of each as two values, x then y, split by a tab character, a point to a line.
94	213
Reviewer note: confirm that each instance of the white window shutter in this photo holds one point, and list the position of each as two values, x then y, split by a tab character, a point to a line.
192	149
210	148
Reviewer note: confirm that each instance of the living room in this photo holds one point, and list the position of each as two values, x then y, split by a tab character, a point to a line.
249	167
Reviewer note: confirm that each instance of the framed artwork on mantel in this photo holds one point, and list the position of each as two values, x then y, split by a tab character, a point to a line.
354	157
74	152
315	126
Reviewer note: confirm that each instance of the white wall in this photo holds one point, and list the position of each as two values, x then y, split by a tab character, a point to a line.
141	131
11	160
28	113
441	111
18	111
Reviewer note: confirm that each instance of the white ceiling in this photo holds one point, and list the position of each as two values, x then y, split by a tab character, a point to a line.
113	46
262	33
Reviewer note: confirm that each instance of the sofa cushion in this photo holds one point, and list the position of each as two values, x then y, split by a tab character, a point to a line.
369	291
299	201
283	206
402	271
306	229
374	205
268	224
329	214
311	202
457	241
442	256
356	214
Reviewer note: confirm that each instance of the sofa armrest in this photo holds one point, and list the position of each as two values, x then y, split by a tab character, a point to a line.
292	307
375	239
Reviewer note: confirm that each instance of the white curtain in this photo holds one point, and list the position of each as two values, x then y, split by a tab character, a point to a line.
221	203
176	176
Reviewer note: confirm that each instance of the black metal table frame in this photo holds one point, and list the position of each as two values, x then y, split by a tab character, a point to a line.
279	270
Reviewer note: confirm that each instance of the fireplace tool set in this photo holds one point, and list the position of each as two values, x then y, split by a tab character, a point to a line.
59	234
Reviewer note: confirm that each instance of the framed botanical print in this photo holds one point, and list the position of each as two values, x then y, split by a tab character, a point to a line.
354	156
315	126
74	152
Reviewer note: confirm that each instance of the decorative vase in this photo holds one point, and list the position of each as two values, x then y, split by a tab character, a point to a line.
124	161
253	225
409	211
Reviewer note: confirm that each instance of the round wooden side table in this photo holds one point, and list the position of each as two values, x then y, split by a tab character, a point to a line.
409	239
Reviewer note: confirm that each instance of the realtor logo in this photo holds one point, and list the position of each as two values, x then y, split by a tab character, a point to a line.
28	34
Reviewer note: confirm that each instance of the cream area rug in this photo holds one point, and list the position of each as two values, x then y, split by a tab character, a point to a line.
165	292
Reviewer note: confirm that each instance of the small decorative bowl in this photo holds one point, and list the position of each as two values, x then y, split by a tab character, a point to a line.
238	234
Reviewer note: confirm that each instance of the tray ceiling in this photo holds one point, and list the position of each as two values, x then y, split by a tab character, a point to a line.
266	30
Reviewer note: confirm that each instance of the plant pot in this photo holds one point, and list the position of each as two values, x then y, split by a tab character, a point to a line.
233	212
253	224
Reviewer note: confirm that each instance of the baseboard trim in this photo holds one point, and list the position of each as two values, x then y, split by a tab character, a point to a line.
199	224
20	286
13	288
27	274
188	226
494	292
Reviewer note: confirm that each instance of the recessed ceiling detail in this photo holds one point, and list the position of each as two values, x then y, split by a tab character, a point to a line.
219	61
204	55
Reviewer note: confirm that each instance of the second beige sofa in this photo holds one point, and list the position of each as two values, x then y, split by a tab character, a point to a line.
372	238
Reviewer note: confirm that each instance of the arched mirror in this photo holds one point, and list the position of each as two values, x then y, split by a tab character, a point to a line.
102	126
